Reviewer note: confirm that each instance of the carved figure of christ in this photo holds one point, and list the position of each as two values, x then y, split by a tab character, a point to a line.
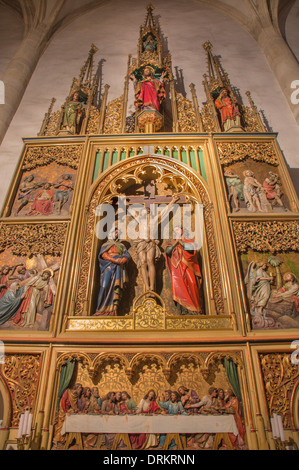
148	251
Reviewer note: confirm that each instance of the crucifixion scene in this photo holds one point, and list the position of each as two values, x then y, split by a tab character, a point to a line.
149	250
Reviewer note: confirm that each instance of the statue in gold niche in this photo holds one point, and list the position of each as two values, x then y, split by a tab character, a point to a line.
73	114
228	109
185	274
113	258
149	91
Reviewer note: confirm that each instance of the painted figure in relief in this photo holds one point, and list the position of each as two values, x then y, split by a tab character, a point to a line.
272	307
149	92
286	300
72	114
229	111
67	404
109	408
6	275
43	201
173	407
95	401
257	196
149	43
63	186
31	297
232	406
272	189
235	189
10	302
188	397
207	403
148	250
185	274
253	192
148	405
258	283
127	405
26	191
113	258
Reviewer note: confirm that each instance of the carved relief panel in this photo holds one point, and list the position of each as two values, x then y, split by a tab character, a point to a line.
268	253
46	182
253	179
30	258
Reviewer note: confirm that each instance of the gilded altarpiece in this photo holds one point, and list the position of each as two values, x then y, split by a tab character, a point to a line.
240	282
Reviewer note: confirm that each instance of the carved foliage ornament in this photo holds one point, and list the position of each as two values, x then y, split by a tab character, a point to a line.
21	373
280	376
235	152
208	118
93	121
186	114
43	239
113	117
67	155
266	236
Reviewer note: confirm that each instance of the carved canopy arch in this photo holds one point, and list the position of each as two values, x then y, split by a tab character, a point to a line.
104	359
100	188
81	357
219	356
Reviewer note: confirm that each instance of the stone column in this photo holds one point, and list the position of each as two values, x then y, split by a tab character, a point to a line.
18	73
283	63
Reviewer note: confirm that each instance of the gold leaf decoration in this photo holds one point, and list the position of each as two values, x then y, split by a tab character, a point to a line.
186	114
266	236
280	377
43	239
113	117
67	155
21	373
234	152
93	121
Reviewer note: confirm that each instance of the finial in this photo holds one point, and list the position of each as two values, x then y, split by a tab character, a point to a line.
207	46
93	49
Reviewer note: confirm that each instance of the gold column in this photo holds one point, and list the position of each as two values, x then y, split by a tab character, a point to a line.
195	104
261	433
175	124
103	109
125	102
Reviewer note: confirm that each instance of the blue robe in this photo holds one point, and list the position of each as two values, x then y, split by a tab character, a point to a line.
9	305
113	278
173	409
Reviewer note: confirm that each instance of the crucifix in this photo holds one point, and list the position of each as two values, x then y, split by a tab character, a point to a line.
147	248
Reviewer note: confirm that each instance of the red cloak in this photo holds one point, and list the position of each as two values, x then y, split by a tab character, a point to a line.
185	277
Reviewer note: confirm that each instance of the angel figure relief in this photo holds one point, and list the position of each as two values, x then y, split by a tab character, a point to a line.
272	306
258	284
